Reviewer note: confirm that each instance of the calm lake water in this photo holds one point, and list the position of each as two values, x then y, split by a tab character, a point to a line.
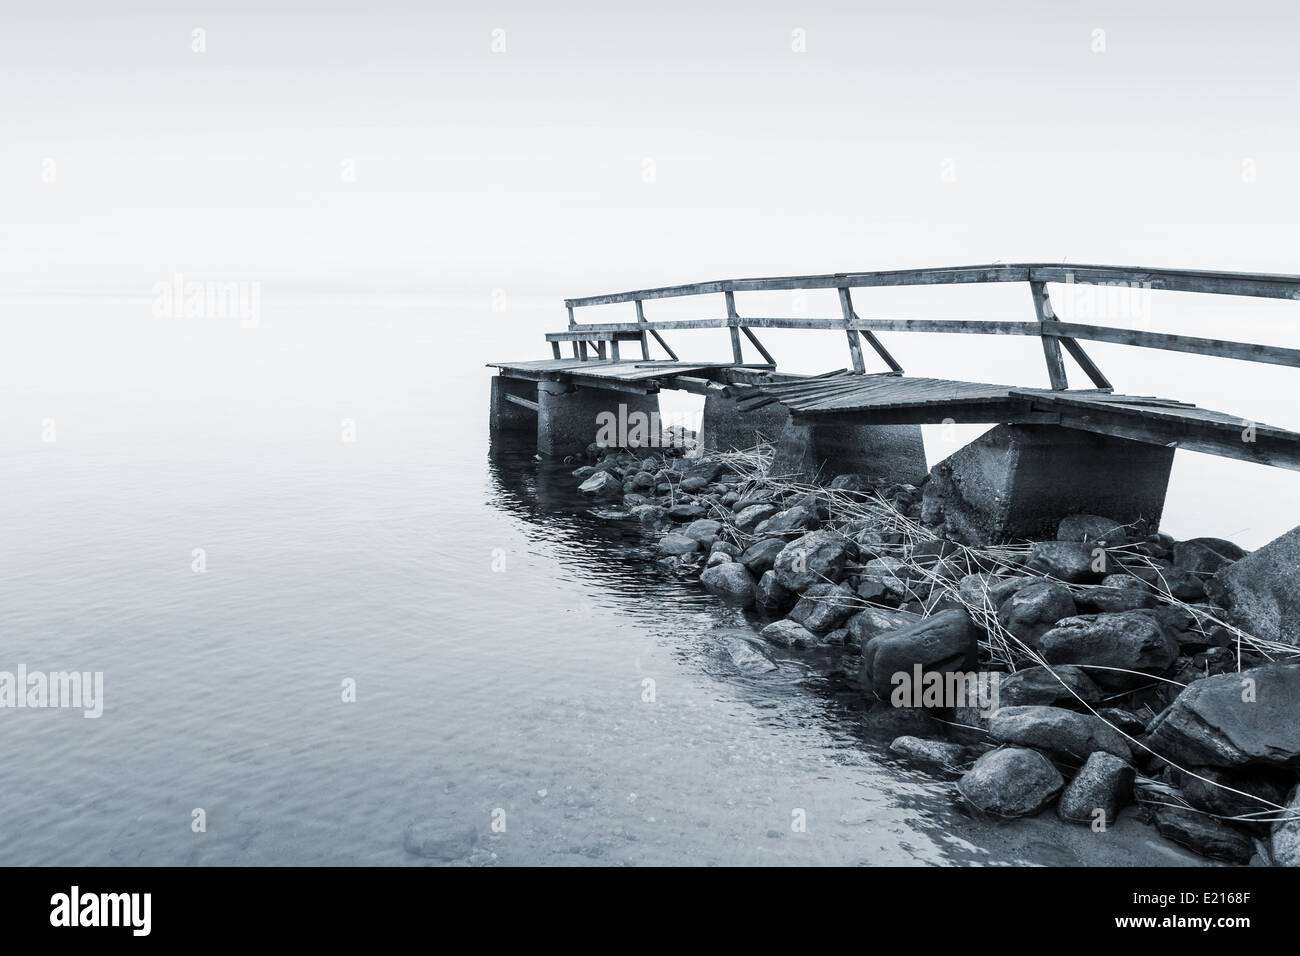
482	692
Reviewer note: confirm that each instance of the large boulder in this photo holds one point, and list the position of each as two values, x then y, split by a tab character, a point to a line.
702	530
1205	555
1063	686
824	607
817	557
678	544
789	633
991	590
1035	608
747	519
731	582
771	598
1115	644
1233	793
760	556
866	624
945	643
1011	782
1233	720
1104	783
1203	834
1262	590
602	485
1057	730
798	518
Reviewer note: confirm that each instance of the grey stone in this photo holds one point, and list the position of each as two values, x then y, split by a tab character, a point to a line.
816	557
868	623
824	607
761	555
1011	782
1047	686
1065	560
931	753
678	544
751	517
601	485
1127	641
1092	529
771	598
945	643
789	633
1034	609
1057	730
731	582
702	529
1262	590
1105	783
1203	834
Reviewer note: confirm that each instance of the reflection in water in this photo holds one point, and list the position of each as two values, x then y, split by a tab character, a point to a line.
880	810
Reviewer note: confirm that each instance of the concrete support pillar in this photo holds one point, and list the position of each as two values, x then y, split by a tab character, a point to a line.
569	417
1019	481
506	416
892	452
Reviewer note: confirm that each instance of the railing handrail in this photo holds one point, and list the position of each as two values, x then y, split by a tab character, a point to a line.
1054	333
1258	284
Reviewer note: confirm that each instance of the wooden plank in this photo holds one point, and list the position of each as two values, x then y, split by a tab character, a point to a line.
767	356
663	345
640	320
855	346
732	322
555	349
1085	362
521	401
1268	354
1051	348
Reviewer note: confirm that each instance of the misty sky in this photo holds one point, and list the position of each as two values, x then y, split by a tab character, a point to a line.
613	146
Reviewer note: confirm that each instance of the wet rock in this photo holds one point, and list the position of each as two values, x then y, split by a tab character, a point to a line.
602	485
931	753
824	607
751	517
1011	782
686	512
1210	724
1047	686
1203	834
1262	590
1131	640
1232	793
1112	600
731	582
678	544
1205	556
727	548
891	573
761	555
747	658
1125	720
1035	608
1065	560
716	558
1105	783
789	633
875	591
991	590
650	516
703	530
1066	733
868	623
839	637
436	840
771	598
816	557
944	643
644	479
1092	529
694	484
1124	581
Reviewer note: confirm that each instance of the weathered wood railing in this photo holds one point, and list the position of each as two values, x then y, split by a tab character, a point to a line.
1054	333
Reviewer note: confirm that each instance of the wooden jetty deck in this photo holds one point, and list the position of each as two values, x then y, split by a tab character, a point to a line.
891	397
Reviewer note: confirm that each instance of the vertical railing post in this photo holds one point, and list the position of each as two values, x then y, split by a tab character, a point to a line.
645	340
1051	347
855	343
733	325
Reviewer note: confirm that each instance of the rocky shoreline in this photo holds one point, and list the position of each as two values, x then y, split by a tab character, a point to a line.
1111	667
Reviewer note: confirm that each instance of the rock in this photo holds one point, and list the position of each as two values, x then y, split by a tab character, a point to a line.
1203	834
602	485
747	658
931	753
1123	580
839	637
731	582
678	544
1065	560
644	479
824	607
686	512
891	573
694	484
1092	529
1035	608
1262	590
703	529
751	517
945	643
1205	556
789	633
761	555
725	547
1060	731
816	557
716	558
991	590
1227	792
771	598
1105	783
1285	839
1011	782
1210	725
875	591
650	516
866	624
1047	686
1112	600
436	840
1131	640
798	518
